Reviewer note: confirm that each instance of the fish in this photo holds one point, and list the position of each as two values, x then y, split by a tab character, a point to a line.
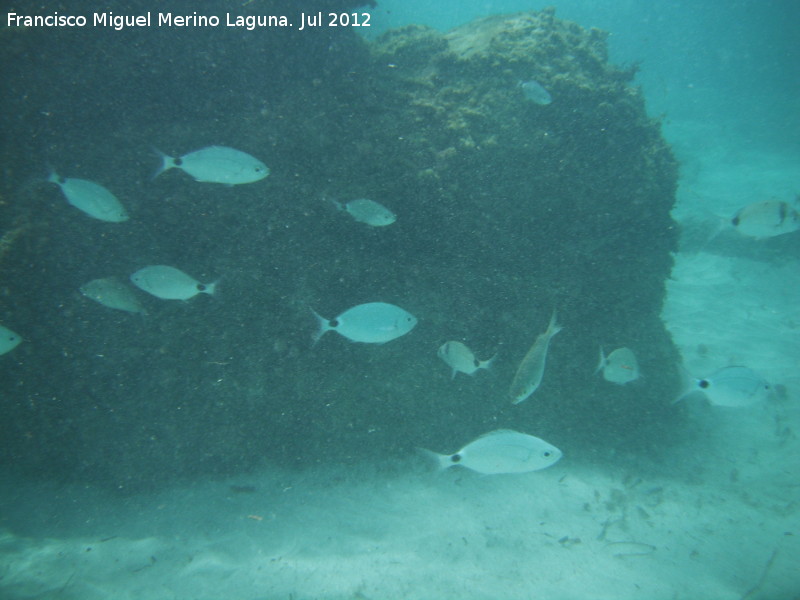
111	292
90	197
217	164
169	283
620	366
501	451
733	386
531	370
535	92
766	219
367	211
371	323
461	359
8	340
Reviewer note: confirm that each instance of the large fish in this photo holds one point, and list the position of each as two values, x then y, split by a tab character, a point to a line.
169	283
502	451
531	369
372	323
766	219
730	386
217	164
90	197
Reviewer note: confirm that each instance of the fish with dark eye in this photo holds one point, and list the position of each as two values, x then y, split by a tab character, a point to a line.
371	323
461	359
733	386
766	219
501	451
217	164
169	283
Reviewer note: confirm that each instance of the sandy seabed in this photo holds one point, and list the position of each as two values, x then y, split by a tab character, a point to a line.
720	522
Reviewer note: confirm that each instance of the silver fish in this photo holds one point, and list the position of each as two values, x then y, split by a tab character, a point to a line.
620	366
367	211
766	219
730	386
111	292
90	197
372	323
531	369
461	359
502	451
217	164
535	92
8	340
169	283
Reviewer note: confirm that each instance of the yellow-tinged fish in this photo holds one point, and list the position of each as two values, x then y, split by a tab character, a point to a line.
531	369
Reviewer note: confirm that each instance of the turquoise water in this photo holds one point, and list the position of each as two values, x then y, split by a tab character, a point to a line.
207	450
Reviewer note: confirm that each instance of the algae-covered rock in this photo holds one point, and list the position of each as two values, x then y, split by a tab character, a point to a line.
506	210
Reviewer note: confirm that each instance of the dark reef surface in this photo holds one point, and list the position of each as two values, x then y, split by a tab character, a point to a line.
506	210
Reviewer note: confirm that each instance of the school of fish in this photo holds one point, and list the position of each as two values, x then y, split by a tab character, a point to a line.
501	451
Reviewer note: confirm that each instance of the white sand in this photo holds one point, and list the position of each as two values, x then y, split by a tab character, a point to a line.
720	523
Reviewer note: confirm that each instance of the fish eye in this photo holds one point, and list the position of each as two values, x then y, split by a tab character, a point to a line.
455	458
735	221
547	453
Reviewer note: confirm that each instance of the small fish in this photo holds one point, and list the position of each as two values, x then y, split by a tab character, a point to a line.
8	340
535	92
730	386
372	323
620	366
502	451
461	359
169	283
111	292
90	197
367	211
531	369
766	219
217	164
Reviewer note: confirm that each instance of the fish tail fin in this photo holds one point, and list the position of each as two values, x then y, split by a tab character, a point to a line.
53	177
442	461
687	387
167	162
553	327
602	362
324	326
335	202
487	364
211	288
